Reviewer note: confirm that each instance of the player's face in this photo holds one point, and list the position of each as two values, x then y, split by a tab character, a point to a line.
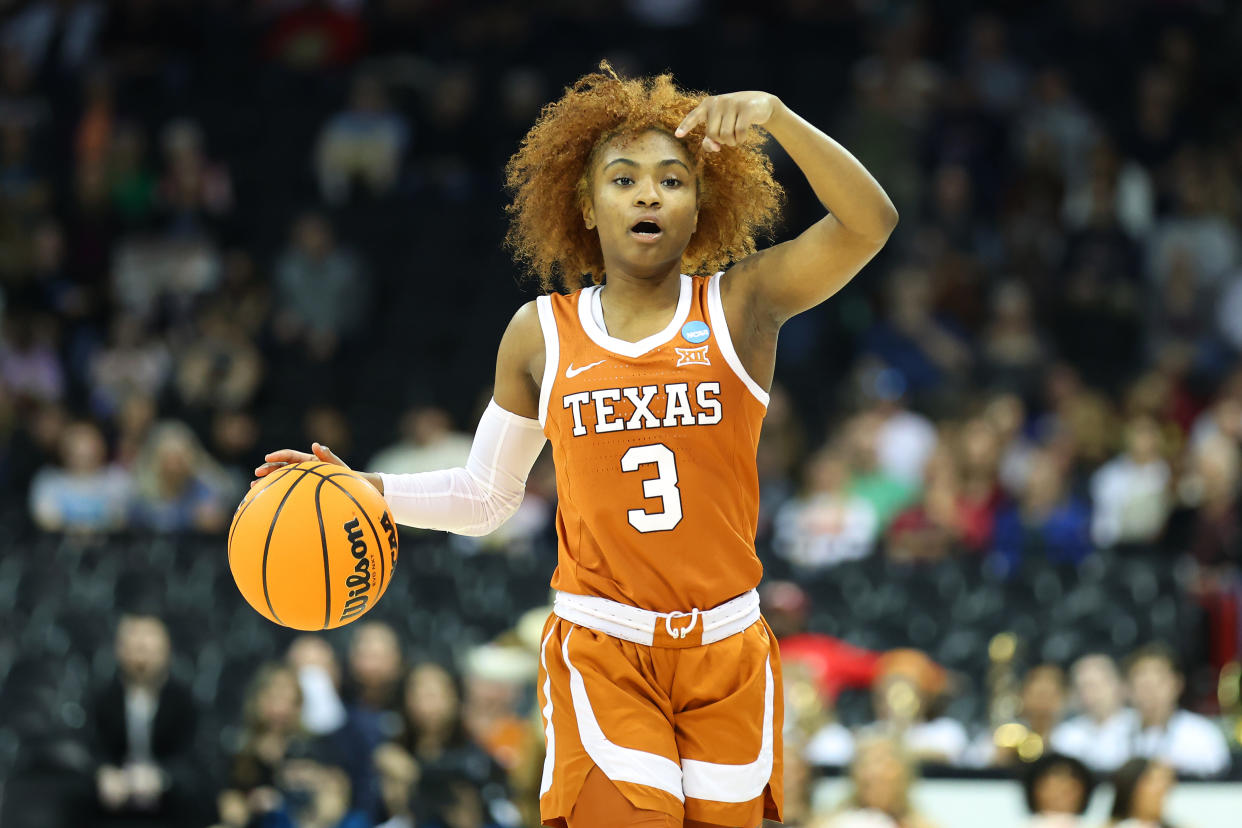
644	203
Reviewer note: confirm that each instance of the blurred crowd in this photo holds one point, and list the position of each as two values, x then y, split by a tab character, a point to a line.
230	226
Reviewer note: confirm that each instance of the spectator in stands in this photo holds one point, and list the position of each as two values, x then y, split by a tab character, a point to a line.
904	439
133	364
434	740
220	366
1013	352
131	182
908	689
177	486
927	352
1048	521
319	677
1186	741
1099	735
427	441
313	791
1140	787
144	726
372	695
1130	493
29	364
826	524
83	493
193	189
362	145
265	767
235	444
1041	707
881	777
320	290
1058	790
929	530
887	493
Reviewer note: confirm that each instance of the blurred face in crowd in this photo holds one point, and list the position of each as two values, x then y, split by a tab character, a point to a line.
1059	791
279	703
313	236
1143	440
312	651
142	649
1149	794
1043	696
431	699
827	472
980	447
82	449
1044	483
1154	688
424	426
375	656
1215	466
1098	686
898	698
174	457
880	777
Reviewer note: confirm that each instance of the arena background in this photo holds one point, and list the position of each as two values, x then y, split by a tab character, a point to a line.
228	227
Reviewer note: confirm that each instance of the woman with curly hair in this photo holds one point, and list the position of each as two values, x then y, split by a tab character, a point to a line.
636	204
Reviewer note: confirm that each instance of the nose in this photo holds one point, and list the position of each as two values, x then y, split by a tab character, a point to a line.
646	195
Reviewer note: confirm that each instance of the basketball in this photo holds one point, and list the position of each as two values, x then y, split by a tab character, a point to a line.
312	546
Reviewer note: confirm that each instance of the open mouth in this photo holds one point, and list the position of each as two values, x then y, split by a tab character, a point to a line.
646	231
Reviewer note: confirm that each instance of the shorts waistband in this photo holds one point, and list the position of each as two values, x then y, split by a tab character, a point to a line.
640	626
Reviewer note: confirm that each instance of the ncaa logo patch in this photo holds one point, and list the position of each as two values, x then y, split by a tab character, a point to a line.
692	356
695	332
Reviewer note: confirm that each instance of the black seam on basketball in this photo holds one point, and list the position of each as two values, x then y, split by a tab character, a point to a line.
379	545
267	545
323	542
237	517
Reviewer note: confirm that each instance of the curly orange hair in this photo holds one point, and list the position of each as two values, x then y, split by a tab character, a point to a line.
550	178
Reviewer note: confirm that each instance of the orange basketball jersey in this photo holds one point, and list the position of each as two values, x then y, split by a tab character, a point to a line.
654	444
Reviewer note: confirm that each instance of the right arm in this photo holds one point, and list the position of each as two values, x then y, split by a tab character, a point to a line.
477	498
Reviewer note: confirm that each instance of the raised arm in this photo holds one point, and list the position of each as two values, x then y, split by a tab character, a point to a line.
479	497
784	280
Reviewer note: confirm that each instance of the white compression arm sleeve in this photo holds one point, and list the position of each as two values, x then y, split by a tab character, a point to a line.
476	499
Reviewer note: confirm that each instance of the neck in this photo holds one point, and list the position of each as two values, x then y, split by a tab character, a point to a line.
629	290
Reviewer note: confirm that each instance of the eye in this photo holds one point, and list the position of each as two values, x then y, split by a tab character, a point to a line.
672	182
623	180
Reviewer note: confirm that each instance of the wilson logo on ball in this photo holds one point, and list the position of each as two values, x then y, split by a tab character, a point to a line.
391	531
359	583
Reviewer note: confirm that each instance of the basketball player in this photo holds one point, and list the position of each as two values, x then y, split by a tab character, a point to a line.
659	681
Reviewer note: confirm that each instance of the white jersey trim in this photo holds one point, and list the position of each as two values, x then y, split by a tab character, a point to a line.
718	782
633	350
549	759
551	354
620	764
715	312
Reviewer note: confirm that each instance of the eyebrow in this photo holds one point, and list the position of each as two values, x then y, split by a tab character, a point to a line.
666	162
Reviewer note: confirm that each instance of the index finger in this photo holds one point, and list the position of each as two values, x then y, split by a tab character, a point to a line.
693	118
288	456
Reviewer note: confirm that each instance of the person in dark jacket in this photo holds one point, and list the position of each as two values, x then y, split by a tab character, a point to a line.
144	725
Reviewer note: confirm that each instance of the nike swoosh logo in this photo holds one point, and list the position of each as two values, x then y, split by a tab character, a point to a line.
572	372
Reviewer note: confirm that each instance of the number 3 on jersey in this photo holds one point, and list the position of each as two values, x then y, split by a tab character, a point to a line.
663	486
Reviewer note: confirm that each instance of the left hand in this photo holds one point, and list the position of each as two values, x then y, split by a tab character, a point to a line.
726	118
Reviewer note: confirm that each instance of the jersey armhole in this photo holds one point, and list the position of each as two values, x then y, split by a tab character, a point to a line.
715	312
551	354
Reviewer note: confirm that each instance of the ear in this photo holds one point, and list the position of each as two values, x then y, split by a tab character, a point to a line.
588	214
